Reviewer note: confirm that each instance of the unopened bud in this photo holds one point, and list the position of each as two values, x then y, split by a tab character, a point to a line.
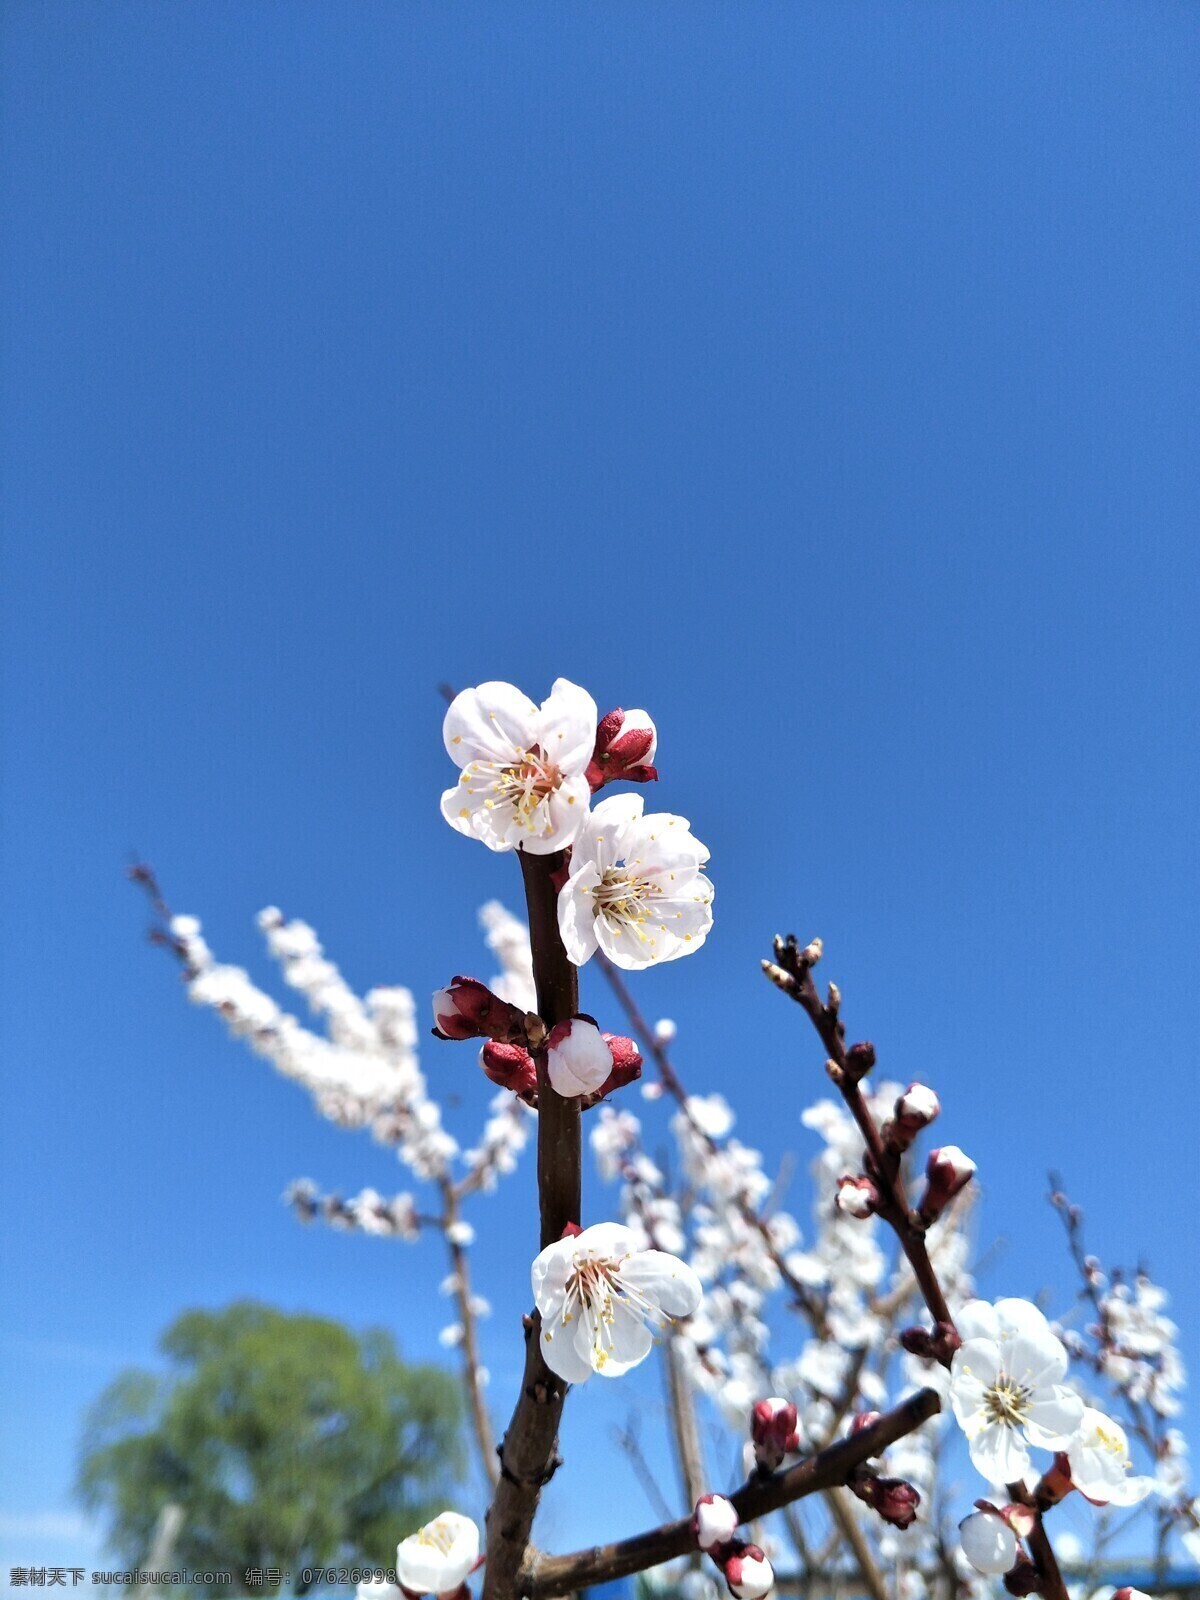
864	1419
988	1542
812	952
510	1066
895	1499
714	1522
1023	1578
860	1058
916	1109
936	1345
834	1003
1130	1594
467	1009
578	1061
948	1170
748	1573
856	1197
773	1431
625	746
781	979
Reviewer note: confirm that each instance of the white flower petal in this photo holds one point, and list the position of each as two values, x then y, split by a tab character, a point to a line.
664	1278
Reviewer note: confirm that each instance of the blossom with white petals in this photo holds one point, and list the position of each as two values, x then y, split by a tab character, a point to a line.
437	1558
635	888
988	1542
600	1299
1100	1463
523	767
1006	1387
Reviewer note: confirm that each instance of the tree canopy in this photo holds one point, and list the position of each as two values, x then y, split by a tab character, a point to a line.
288	1440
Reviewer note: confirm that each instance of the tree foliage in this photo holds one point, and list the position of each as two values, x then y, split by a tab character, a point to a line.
288	1440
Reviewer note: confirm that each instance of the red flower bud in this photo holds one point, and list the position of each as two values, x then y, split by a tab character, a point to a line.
773	1430
948	1170
894	1499
915	1109
748	1573
468	1009
510	1066
625	745
856	1197
1024	1579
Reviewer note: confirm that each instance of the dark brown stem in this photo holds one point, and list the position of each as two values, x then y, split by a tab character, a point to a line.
560	1575
528	1456
796	980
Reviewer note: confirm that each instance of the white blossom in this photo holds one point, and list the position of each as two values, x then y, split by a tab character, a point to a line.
600	1299
523	767
635	888
438	1557
1100	1463
1006	1387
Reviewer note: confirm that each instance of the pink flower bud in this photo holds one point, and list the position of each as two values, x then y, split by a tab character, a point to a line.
1130	1594
948	1170
748	1573
714	1522
864	1419
856	1197
509	1065
469	1010
916	1109
894	1499
625	746
773	1431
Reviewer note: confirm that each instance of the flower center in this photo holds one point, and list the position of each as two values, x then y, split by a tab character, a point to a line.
593	1289
528	782
1007	1402
440	1535
621	896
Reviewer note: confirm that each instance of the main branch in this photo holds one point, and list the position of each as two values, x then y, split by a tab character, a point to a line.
528	1456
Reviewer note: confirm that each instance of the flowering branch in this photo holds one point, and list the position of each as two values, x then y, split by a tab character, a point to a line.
547	1576
528	1455
791	971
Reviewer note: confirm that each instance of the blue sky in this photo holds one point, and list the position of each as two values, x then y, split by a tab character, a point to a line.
822	377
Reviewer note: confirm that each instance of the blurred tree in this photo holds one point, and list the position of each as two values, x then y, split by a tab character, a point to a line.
287	1440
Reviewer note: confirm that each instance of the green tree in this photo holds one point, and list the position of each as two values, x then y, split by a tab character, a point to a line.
288	1441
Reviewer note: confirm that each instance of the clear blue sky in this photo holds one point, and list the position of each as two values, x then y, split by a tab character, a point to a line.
821	376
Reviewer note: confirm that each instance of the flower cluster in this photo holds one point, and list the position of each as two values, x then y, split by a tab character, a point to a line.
633	888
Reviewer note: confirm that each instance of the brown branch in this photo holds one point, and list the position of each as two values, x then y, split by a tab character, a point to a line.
688	1451
560	1575
793	975
460	1268
528	1455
